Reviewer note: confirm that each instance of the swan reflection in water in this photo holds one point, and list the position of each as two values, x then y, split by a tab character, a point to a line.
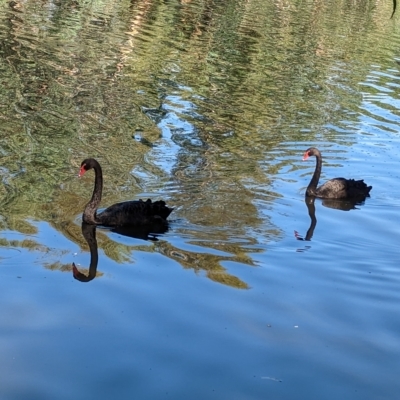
344	205
89	233
149	232
204	262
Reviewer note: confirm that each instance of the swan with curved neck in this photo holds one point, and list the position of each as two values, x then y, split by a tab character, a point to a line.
129	213
336	188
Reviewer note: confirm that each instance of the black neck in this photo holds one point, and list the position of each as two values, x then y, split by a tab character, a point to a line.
89	214
312	187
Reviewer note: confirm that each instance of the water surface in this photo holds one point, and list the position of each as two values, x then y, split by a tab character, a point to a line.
209	106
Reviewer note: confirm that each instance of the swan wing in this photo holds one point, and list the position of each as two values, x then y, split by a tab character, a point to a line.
137	212
334	188
340	188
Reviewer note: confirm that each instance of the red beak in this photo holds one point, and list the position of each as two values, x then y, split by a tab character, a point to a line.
81	171
305	157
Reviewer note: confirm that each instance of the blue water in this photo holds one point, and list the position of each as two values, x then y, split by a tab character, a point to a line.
231	302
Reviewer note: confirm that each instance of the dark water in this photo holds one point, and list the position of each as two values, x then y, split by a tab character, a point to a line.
252	293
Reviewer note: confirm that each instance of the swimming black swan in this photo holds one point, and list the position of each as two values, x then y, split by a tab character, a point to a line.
129	213
336	188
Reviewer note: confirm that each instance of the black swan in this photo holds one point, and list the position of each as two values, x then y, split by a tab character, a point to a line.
336	188
129	213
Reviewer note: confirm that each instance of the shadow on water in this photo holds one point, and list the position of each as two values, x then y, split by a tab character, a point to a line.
146	232
344	205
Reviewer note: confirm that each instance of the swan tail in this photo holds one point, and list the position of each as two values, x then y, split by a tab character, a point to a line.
159	208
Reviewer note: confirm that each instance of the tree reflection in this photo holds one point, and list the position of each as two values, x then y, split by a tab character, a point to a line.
213	109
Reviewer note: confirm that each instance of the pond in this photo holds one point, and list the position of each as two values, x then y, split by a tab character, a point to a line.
253	291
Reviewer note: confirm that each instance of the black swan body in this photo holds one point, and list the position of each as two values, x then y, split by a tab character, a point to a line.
129	213
336	188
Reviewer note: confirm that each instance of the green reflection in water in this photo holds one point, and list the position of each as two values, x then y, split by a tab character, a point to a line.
209	91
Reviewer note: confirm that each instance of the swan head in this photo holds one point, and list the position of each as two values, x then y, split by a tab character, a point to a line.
312	151
86	165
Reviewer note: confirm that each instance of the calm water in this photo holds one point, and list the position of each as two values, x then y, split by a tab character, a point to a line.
210	106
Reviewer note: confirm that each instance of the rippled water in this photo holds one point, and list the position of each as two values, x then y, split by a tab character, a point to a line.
252	293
